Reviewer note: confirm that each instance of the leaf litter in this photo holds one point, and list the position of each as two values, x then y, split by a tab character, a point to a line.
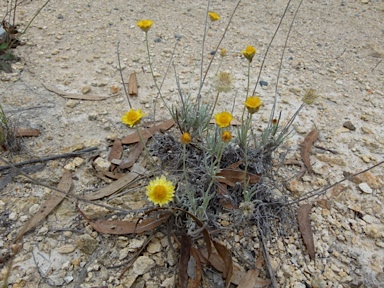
306	147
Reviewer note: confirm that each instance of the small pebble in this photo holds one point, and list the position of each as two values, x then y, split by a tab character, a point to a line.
349	126
365	188
86	89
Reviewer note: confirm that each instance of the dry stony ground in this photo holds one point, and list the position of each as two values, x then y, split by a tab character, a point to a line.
333	48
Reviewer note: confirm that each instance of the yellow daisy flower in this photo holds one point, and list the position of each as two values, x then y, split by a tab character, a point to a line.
223	119
213	16
132	117
253	104
249	52
185	138
226	136
160	190
145	25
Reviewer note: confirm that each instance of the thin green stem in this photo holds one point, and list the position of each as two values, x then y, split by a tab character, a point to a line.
245	192
214	105
37	13
152	72
121	74
249	73
146	150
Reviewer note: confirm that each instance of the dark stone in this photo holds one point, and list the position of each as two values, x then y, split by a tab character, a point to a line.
349	126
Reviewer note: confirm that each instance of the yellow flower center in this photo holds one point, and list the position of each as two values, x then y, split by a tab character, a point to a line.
159	193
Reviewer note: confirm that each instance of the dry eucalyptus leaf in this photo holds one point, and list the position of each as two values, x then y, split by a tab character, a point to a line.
306	147
148	133
226	257
306	229
132	85
117	185
27	132
116	150
185	252
233	176
118	227
54	199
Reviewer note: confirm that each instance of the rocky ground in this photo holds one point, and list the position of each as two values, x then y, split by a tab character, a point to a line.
334	47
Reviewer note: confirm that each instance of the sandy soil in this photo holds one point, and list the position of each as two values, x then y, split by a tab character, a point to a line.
334	47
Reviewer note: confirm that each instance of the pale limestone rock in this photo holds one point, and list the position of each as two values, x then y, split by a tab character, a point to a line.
66	249
154	247
142	265
365	188
87	244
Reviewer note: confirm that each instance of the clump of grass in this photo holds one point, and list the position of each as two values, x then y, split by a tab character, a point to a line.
8	139
310	96
219	168
197	156
9	39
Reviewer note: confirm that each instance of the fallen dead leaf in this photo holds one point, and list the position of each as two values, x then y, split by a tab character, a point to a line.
116	150
216	261
233	176
306	147
306	229
195	283
251	279
185	252
133	155
117	227
148	133
118	184
27	132
47	207
225	201
132	85
226	256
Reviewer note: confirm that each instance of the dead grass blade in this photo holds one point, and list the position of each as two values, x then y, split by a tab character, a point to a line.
118	227
55	198
306	229
185	253
118	184
132	85
233	176
306	147
195	283
116	150
73	96
226	257
148	133
27	132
